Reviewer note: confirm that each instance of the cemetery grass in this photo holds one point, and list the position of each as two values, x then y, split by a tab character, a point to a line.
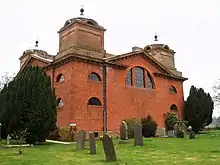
204	150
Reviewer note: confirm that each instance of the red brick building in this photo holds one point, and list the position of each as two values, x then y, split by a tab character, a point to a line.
141	82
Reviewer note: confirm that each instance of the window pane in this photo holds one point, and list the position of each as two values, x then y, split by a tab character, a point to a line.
150	82
128	80
94	77
139	77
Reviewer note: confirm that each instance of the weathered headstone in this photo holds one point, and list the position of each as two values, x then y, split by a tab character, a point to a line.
138	137
123	133
184	127
192	134
170	134
8	139
108	148
81	140
92	143
176	129
180	134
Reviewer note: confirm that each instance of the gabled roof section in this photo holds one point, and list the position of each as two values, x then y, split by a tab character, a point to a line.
165	72
144	55
34	56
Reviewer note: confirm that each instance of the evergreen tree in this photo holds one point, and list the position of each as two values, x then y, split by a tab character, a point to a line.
30	105
198	108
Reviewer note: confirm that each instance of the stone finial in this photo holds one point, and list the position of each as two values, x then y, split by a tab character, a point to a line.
81	11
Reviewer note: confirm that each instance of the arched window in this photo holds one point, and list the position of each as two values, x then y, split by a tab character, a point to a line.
173	108
172	89
59	103
94	76
150	81
139	77
128	80
60	78
94	101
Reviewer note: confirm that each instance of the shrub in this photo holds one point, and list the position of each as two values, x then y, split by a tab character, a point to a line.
131	123
149	126
170	120
66	135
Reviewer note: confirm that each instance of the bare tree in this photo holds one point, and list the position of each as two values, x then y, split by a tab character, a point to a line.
5	79
216	93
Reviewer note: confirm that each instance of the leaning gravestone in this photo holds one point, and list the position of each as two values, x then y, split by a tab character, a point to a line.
170	134
138	137
108	148
92	143
81	140
123	133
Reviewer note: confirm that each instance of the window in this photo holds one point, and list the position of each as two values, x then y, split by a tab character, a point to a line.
94	76
59	103
150	82
173	108
128	80
94	101
139	77
172	89
60	78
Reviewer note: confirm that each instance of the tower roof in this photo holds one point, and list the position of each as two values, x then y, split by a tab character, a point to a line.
84	20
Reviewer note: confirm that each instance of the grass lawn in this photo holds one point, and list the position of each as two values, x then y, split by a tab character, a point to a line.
164	151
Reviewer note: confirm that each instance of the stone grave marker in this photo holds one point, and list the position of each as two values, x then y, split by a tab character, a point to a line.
123	133
138	137
192	134
180	134
8	139
175	128
81	140
170	134
108	148
92	143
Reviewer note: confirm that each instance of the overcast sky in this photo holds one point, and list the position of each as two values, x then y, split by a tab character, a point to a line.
190	27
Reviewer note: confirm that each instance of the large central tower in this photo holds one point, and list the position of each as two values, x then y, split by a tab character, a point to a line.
83	33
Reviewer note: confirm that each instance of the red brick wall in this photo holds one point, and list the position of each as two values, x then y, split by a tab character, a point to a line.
128	102
122	102
75	91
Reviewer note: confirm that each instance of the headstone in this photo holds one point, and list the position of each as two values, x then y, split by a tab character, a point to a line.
161	132
8	139
108	148
180	134
123	133
92	143
170	134
192	134
175	128
138	137
184	127
81	140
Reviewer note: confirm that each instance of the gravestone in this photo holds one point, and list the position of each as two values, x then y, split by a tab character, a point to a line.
81	140
123	133
192	134
8	139
180	134
108	148
176	128
170	134
92	143
138	137
184	127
